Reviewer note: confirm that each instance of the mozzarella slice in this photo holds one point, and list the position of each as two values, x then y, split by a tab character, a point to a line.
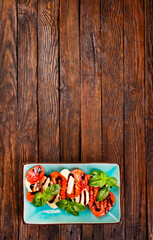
83	198
43	180
67	174
70	185
47	183
53	204
27	184
32	187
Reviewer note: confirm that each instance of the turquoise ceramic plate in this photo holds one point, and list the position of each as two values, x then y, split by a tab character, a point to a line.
47	215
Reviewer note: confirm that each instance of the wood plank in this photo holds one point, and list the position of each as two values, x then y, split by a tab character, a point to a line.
8	121
48	92
112	97
27	97
90	81
149	110
90	44
69	94
135	167
69	81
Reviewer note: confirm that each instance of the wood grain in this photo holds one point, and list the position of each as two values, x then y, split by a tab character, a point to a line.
90	45
112	97
48	82
69	94
8	121
48	92
135	168
27	97
90	81
149	110
76	85
69	81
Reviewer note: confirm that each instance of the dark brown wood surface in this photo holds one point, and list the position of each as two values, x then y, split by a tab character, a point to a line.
113	97
27	97
76	85
149	111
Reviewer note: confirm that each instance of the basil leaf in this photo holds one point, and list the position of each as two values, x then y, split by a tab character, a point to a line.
53	189
71	207
98	180
97	183
103	193
103	175
65	201
48	197
112	182
62	204
72	210
78	206
39	200
94	172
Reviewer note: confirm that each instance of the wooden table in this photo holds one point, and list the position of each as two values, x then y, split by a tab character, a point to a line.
76	86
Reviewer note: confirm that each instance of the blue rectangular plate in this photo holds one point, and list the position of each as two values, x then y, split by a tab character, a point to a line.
47	215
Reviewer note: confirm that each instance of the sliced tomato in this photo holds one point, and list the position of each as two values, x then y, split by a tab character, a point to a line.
56	178
99	209
80	183
93	191
35	174
88	177
30	195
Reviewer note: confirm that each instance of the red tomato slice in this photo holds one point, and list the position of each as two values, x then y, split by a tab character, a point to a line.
30	195
56	178
88	177
99	209
35	174
81	181
93	191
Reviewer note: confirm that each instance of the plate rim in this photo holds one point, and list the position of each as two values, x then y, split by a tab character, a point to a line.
81	163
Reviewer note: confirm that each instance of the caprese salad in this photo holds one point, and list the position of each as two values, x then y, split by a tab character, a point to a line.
71	190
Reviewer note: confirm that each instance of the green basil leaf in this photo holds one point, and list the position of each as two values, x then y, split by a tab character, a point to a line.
78	206
96	177
94	172
39	200
67	210
72	211
97	180
103	175
97	183
103	193
62	204
53	189
48	197
112	182
65	201
71	207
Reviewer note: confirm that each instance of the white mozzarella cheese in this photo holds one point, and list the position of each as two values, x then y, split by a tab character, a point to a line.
47	183
32	187
27	184
65	172
83	198
70	184
53	204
